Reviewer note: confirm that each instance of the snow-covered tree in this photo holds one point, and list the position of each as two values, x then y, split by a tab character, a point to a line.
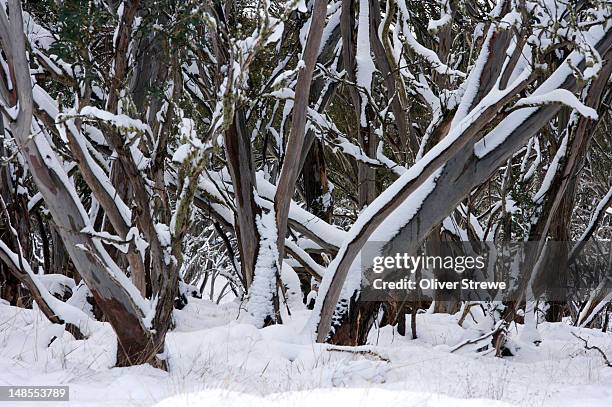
151	150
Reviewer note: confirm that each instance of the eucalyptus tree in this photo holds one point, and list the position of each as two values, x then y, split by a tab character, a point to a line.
300	130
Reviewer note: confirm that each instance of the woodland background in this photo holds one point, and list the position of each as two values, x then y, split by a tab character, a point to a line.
156	151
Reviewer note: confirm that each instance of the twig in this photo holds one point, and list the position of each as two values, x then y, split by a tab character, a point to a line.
593	347
468	311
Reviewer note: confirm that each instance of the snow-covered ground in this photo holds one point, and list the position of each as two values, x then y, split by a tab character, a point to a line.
216	360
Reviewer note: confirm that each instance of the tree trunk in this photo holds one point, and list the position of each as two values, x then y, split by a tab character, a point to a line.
242	171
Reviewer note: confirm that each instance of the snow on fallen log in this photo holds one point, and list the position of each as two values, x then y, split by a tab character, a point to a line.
58	312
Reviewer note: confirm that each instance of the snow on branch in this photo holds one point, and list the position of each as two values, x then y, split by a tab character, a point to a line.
363	57
445	17
118	120
324	231
552	170
427	54
304	259
554	82
562	96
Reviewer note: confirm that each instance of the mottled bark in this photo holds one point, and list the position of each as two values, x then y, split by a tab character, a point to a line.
467	138
461	171
290	170
241	167
556	212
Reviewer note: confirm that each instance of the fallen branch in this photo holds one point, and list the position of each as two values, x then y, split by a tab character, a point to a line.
476	341
365	352
56	311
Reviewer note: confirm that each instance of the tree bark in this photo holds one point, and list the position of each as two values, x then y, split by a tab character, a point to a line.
461	171
106	282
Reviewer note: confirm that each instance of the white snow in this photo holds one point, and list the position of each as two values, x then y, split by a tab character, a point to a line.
445	17
295	248
215	361
559	96
325	397
56	283
323	230
263	288
426	53
554	82
363	57
472	83
65	311
332	23
119	120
